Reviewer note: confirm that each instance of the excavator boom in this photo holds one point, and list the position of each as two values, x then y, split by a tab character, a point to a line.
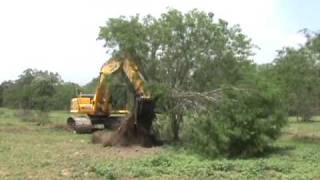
97	109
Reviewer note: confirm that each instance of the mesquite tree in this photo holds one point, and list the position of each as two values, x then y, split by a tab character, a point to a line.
181	53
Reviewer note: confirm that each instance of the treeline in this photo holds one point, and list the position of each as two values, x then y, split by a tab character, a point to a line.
296	71
40	90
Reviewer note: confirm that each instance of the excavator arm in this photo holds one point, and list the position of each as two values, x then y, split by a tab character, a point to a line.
100	105
102	96
103	93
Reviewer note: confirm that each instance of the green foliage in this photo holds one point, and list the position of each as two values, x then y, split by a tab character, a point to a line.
188	52
244	123
41	90
296	71
162	127
122	93
194	52
62	96
31	90
106	170
3	88
90	87
172	164
36	116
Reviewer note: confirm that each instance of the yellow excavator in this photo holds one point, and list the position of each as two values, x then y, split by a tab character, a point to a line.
91	111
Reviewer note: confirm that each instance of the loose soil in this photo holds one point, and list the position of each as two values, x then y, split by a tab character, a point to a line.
127	134
63	127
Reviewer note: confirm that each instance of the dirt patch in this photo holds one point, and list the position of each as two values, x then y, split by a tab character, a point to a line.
127	134
15	129
66	173
115	152
134	130
312	138
3	173
98	137
133	151
63	127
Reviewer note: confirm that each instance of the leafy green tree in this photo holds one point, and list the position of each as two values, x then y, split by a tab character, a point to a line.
27	91
181	52
3	88
42	90
297	72
64	92
313	41
91	86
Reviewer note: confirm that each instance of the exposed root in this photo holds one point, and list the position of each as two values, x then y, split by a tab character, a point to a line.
127	134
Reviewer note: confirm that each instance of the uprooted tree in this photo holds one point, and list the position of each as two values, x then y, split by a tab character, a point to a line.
184	52
186	58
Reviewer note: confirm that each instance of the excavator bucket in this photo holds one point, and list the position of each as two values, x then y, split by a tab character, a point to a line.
137	129
144	113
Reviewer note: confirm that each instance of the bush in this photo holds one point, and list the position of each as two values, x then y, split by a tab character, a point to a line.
243	123
38	117
162	127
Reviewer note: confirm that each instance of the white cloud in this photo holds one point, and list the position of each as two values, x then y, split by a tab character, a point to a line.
60	35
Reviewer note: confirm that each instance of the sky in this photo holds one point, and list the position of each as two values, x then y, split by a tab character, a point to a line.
61	35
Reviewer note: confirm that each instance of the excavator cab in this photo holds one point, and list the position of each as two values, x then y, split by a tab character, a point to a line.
82	104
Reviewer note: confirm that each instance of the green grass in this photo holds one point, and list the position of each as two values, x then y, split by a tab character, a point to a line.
29	151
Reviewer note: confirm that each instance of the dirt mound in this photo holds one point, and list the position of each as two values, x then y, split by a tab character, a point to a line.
127	134
98	137
136	129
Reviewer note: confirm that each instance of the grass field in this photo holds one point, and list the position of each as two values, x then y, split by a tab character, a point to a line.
29	151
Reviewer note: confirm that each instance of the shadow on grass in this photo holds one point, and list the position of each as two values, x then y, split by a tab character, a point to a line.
61	127
306	138
20	129
275	150
269	152
317	121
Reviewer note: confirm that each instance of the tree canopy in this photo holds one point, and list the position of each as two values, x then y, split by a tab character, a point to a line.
191	60
296	71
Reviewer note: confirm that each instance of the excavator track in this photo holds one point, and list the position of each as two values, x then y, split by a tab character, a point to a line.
80	124
88	124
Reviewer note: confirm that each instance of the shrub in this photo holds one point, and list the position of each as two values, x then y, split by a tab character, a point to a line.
162	127
243	123
39	117
105	170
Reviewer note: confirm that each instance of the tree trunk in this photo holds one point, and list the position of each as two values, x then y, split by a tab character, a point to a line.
176	119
